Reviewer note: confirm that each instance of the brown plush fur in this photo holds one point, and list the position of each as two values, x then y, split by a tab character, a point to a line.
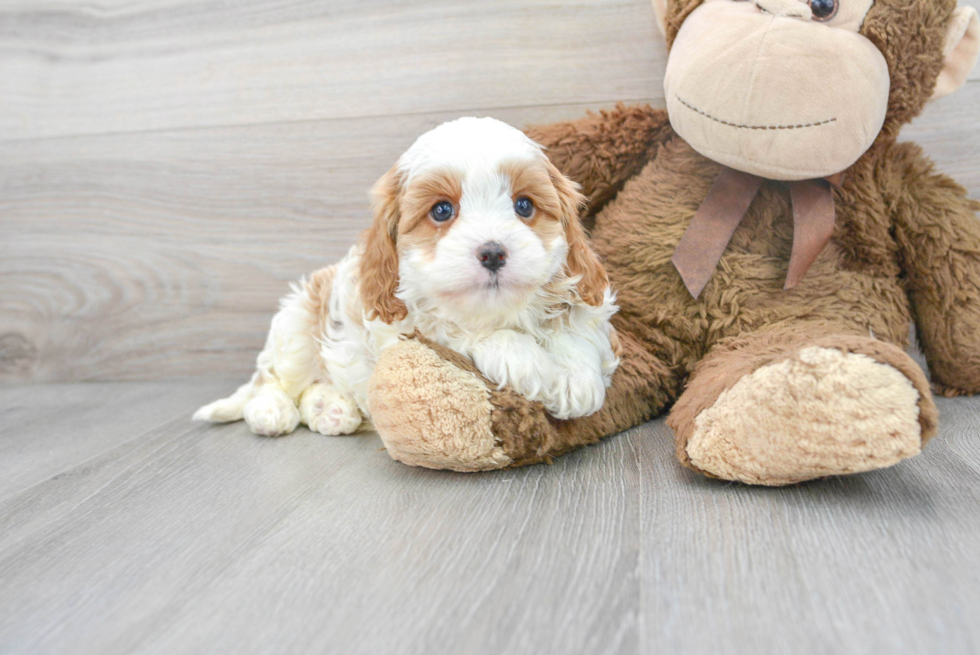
939	240
906	246
557	200
616	158
915	56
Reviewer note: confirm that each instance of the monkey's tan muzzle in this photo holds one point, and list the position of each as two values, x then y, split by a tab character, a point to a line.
792	98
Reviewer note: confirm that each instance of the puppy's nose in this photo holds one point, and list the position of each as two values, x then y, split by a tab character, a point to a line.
492	256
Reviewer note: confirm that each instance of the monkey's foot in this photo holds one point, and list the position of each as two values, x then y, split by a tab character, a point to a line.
815	411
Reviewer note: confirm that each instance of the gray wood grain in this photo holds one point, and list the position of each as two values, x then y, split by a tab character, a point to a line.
185	538
138	65
45	430
141	65
194	538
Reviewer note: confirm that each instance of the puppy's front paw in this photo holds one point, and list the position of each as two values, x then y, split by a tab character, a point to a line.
516	360
578	388
576	394
271	413
327	411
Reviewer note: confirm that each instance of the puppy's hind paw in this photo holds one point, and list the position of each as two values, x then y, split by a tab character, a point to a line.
271	414
329	412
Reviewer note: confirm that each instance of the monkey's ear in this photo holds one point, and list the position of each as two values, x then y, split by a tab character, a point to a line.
960	51
379	261
660	10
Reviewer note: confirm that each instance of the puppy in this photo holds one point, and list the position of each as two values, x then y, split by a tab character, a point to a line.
476	243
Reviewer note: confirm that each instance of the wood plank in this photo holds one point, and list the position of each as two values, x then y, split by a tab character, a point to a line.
129	65
48	429
209	539
878	562
79	68
193	538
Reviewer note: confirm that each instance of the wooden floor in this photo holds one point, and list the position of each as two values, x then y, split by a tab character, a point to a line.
124	528
168	166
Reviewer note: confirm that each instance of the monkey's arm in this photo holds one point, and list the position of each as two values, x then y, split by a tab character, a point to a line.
433	408
602	151
939	238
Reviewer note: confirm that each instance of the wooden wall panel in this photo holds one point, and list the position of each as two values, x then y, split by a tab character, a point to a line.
166	168
74	68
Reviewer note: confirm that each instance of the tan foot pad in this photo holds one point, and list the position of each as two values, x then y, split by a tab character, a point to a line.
823	413
432	413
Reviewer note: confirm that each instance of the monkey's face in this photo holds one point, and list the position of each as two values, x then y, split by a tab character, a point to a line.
783	89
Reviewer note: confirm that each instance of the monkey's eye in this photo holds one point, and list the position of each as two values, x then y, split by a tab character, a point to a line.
824	10
524	207
442	211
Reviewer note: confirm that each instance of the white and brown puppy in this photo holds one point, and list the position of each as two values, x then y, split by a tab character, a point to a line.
476	243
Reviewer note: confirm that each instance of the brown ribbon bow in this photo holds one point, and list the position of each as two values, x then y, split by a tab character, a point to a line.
714	223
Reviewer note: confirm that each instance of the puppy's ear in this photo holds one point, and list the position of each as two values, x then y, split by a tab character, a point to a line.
379	261
581	260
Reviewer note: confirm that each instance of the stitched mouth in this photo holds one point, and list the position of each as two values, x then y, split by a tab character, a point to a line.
751	127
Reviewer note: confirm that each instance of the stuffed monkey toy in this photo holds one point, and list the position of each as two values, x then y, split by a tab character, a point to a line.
769	242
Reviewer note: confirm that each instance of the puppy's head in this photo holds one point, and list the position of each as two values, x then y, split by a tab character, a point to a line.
474	218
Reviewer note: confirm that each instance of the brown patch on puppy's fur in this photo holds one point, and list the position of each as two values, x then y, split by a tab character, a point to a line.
379	263
425	191
318	291
557	198
417	230
532	180
582	260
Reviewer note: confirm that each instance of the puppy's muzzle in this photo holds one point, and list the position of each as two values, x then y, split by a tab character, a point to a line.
492	256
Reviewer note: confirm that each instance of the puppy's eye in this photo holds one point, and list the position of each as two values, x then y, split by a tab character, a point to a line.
823	10
524	207
442	211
